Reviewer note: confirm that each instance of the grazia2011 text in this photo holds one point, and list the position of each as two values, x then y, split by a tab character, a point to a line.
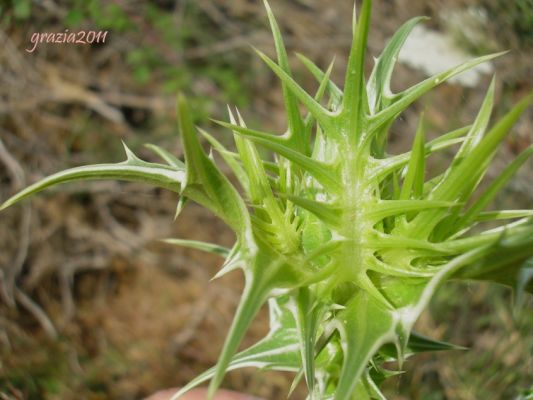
66	37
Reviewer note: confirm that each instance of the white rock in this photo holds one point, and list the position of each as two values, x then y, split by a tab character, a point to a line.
433	52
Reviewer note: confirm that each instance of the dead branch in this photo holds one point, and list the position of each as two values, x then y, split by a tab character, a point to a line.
70	92
13	269
33	308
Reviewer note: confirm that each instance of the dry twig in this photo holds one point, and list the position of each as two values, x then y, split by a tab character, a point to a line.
13	270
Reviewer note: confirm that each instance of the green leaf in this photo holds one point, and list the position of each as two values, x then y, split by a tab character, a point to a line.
235	259
399	270
523	283
279	350
378	86
463	179
472	140
413	184
384	241
296	139
503	214
457	133
173	162
319	113
334	91
354	88
258	188
252	133
254	295
328	214
387	208
475	135
403	100
386	166
133	169
166	156
504	261
308	317
419	343
372	387
364	326
204	183
309	120
320	171
194	244
495	187
180	206
475	164
265	270
230	159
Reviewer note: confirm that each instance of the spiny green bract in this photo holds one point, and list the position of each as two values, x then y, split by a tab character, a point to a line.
346	243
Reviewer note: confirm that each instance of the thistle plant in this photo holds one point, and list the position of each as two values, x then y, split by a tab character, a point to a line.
345	242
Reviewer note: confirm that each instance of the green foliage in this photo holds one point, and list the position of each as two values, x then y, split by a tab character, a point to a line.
104	15
516	16
345	243
20	10
37	373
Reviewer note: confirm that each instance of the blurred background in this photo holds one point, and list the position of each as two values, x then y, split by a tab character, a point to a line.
92	306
